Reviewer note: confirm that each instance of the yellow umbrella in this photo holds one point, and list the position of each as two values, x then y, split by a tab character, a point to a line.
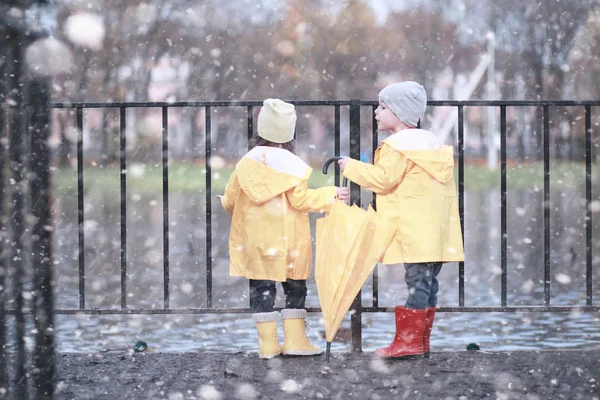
349	243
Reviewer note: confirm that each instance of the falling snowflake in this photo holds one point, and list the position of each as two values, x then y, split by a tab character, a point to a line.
209	392
186	287
217	162
563	279
246	391
290	386
85	30
48	57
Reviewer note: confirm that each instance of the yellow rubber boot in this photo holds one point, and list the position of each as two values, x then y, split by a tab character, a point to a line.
295	341
266	326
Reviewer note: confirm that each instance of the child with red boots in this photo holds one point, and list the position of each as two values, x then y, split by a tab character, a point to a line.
413	176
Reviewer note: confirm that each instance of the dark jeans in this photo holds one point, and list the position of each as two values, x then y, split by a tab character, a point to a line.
262	294
423	285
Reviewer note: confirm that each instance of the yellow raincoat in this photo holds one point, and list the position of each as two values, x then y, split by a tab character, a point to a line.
413	176
268	199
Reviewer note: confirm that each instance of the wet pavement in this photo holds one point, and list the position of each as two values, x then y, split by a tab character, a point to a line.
549	374
188	287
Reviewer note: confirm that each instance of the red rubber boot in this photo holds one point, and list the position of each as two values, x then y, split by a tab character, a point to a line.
408	341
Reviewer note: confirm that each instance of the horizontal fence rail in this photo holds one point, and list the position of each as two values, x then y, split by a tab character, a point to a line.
355	107
258	103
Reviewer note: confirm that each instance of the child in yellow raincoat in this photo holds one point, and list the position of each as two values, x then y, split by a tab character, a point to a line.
268	199
413	176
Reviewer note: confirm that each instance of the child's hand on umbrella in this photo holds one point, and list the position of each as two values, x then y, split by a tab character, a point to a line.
342	163
343	194
219	196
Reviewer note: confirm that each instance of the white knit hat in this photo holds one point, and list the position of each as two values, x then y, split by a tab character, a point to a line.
276	121
406	99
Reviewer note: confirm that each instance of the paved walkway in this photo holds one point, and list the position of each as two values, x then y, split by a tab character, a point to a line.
568	374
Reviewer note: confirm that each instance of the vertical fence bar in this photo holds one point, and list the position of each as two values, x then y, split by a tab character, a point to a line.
375	145
588	201
80	210
208	152
42	240
165	195
16	83
355	319
461	200
355	146
249	133
546	114
250	121
123	183
503	260
336	141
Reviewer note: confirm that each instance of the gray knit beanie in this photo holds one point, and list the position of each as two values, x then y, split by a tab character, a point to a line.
406	99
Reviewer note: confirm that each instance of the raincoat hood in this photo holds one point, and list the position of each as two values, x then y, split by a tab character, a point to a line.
266	172
425	150
268	199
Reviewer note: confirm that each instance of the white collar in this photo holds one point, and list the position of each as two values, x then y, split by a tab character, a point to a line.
280	160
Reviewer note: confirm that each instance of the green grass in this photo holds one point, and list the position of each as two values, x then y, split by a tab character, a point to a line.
190	178
147	178
521	176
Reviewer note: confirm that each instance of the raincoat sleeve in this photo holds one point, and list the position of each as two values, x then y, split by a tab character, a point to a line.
231	193
311	200
381	177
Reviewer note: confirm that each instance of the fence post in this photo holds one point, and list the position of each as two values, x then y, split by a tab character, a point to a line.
39	125
17	266
3	220
356	309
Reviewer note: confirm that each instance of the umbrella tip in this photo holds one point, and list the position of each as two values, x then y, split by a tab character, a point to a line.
328	351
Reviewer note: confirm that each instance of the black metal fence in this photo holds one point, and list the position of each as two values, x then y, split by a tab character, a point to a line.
26	125
355	107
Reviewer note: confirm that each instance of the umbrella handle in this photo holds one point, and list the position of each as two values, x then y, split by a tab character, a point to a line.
328	163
